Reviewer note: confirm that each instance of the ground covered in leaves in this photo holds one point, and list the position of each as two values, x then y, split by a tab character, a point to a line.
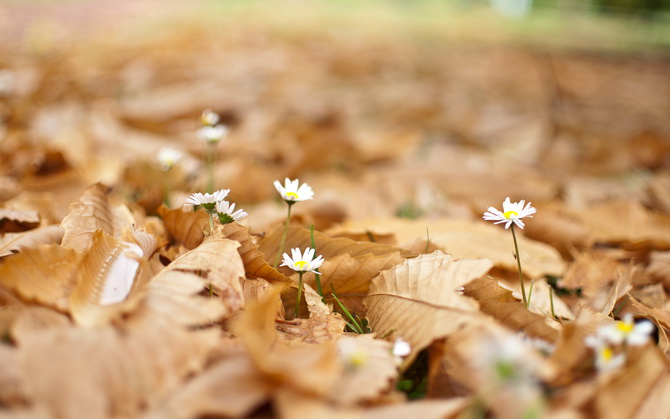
406	136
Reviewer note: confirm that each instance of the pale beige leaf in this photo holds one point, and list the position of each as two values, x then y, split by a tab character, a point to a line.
541	296
45	274
499	303
20	216
36	319
16	242
185	227
419	300
219	263
255	264
424	409
465	239
12	392
322	324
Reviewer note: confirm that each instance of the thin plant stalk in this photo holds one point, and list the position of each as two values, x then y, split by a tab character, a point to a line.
317	275
283	236
297	299
518	263
211	223
353	324
551	302
210	167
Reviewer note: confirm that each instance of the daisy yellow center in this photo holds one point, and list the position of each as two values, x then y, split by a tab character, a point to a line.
292	195
606	354
625	327
358	359
510	214
301	265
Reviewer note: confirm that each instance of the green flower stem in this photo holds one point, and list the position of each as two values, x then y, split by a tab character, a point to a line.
283	236
210	167
551	301
297	299
518	263
211	223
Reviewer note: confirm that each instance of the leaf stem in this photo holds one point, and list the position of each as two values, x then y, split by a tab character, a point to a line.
298	298
283	236
518	263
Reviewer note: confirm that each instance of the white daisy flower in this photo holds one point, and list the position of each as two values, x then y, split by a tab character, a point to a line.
208	201
168	157
606	360
634	334
302	262
208	117
401	348
293	192
511	213
351	353
227	213
212	134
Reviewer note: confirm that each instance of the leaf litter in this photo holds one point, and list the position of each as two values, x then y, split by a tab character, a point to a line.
117	301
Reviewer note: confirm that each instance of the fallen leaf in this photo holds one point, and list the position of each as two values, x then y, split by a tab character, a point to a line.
419	300
15	242
186	227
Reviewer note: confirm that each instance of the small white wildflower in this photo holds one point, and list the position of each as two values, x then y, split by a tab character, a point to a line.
302	262
351	353
401	348
227	213
208	201
168	157
606	360
511	213
212	134
634	334
208	117
293	192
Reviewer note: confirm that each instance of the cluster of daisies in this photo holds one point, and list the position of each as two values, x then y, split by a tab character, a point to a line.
612	341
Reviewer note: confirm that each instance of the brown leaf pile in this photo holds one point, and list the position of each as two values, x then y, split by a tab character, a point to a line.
117	302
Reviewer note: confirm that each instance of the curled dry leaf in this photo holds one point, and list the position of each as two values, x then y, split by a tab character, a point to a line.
44	274
106	280
420	301
185	227
255	264
499	303
219	263
12	243
93	212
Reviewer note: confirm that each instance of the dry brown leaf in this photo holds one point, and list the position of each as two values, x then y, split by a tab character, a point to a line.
219	263
14	220
101	373
45	274
35	319
499	303
555	226
233	387
348	267
419	300
309	368
466	239
622	396
185	227
12	392
93	212
15	242
255	265
628	223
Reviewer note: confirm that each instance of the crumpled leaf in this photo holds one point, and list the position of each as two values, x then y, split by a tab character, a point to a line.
419	300
45	274
93	212
185	227
255	264
106	278
12	243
